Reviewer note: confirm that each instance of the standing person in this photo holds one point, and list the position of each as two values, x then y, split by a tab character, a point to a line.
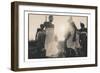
83	39
71	40
40	38
50	41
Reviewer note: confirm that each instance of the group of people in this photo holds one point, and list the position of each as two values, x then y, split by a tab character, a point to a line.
76	41
48	46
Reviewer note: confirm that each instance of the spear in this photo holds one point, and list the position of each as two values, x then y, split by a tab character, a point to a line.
45	18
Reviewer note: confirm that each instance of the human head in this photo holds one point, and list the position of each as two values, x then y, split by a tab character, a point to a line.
82	25
41	26
50	18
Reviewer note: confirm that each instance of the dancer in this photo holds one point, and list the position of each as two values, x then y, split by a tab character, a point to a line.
51	39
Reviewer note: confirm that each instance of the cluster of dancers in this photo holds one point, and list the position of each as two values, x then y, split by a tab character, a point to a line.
47	44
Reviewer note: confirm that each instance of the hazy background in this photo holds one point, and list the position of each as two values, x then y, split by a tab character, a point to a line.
5	37
60	24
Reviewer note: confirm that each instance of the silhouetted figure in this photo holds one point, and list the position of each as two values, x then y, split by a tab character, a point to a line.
50	42
49	23
72	40
83	39
40	39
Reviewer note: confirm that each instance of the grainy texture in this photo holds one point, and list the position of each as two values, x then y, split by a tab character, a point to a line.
14	35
